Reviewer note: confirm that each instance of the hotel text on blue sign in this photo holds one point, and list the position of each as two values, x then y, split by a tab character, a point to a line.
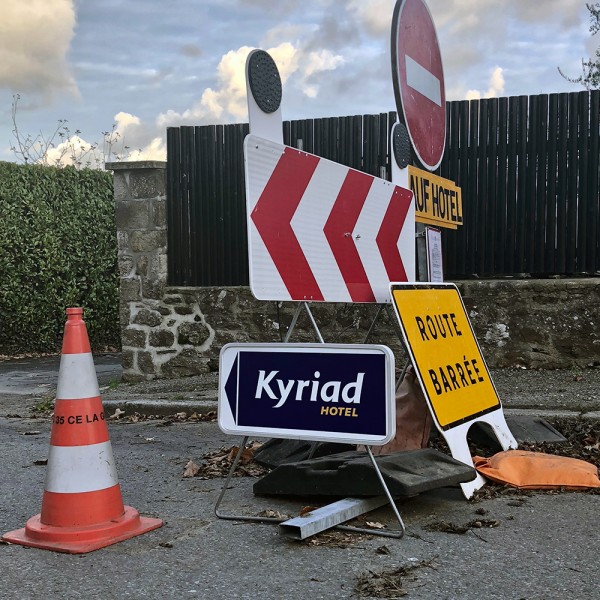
323	392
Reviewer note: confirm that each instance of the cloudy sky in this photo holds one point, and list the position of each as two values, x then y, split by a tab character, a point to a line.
144	65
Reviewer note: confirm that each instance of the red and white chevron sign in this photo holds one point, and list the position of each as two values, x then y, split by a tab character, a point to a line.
320	231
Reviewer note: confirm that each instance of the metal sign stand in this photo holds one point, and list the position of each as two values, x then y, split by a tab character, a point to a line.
359	506
264	92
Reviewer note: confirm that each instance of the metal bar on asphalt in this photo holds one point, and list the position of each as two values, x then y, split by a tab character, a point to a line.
326	517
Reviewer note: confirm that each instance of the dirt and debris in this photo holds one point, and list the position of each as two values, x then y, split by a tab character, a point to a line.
218	463
336	538
446	527
583	440
273	514
165	421
390	583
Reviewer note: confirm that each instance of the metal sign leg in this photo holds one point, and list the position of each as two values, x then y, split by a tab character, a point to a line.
290	330
230	517
393	534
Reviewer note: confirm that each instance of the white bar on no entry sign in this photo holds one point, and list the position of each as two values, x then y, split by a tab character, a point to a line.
423	81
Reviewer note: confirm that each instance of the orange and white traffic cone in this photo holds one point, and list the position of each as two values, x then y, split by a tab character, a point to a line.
82	507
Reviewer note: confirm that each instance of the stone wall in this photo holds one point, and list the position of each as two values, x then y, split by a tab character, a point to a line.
172	332
536	323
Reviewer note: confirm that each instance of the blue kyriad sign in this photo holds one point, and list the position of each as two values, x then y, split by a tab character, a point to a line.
322	392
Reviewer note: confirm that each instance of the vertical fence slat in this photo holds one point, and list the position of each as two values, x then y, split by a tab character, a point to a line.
511	191
542	197
174	209
521	207
561	211
470	213
550	252
223	217
572	172
492	188
593	211
382	148
187	160
529	199
370	134
501	195
583	111
357	147
463	178
451	164
481	216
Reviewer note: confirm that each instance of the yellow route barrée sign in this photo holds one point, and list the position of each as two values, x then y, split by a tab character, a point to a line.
444	351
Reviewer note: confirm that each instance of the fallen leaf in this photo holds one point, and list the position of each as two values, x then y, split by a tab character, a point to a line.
117	414
305	510
336	539
191	469
446	527
388	583
375	525
382	550
477	524
273	514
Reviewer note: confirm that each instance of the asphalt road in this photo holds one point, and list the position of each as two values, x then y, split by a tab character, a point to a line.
545	546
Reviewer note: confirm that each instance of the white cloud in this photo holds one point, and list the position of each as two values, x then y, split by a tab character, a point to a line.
117	144
74	151
286	57
313	64
35	37
227	101
155	150
495	89
375	15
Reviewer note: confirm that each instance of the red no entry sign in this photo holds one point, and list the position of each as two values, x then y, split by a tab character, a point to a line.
418	77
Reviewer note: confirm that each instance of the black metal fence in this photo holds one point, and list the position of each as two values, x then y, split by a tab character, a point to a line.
529	169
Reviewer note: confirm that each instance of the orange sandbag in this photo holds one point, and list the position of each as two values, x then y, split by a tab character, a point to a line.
536	470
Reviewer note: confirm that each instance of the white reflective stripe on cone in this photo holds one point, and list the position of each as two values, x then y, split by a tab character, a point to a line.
73	469
77	377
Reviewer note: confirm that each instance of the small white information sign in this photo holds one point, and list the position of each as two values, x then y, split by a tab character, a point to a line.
435	263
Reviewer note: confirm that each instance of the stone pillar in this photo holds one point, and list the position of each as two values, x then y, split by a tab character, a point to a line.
163	334
140	199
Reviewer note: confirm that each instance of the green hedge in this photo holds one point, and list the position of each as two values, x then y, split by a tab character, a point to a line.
58	248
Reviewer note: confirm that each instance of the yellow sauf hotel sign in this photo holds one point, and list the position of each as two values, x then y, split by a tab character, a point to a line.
444	352
438	201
